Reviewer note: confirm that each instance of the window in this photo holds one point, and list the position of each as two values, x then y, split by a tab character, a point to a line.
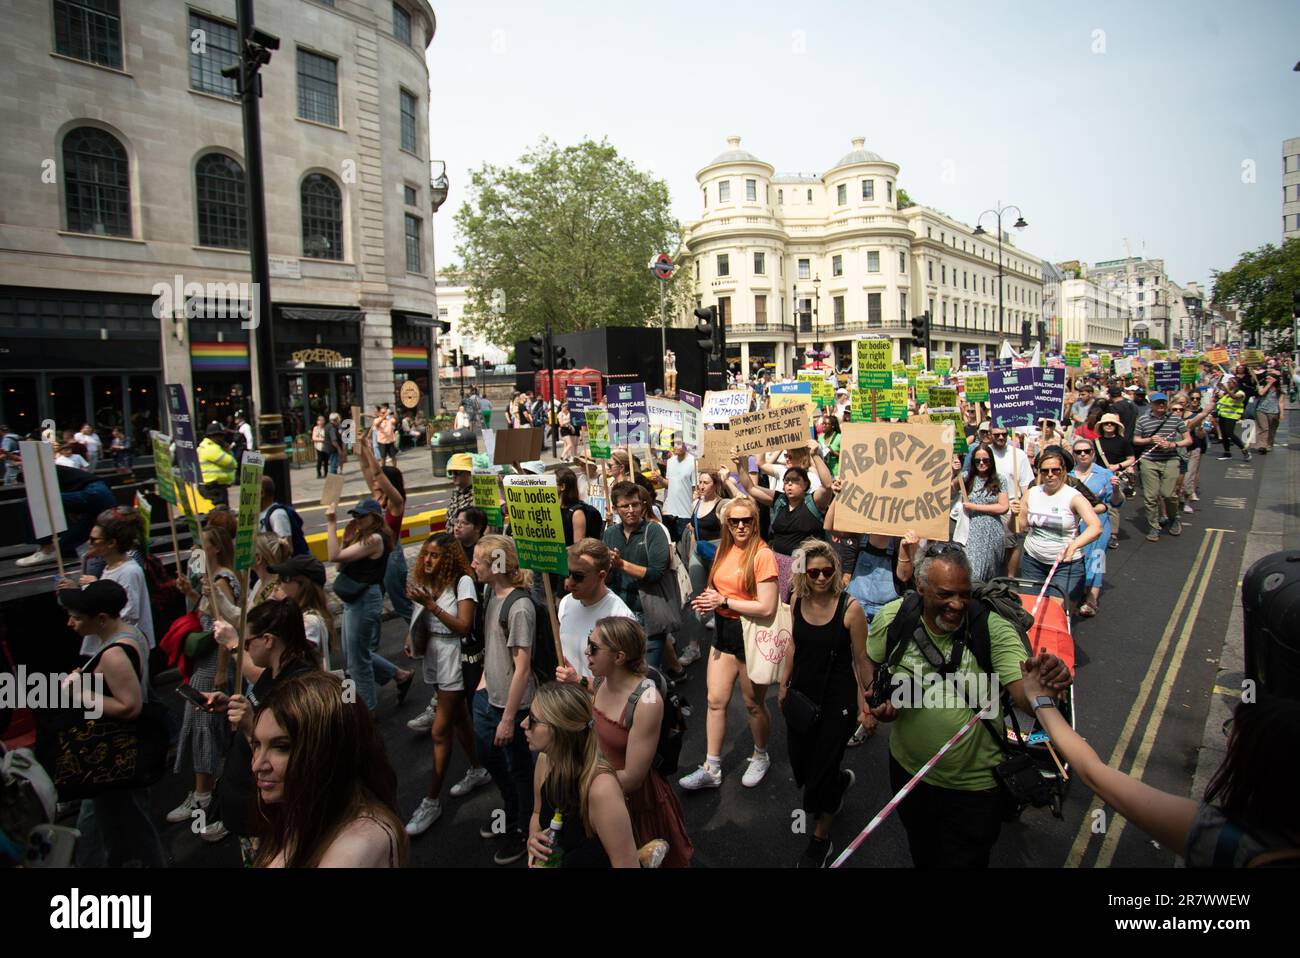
89	30
929	265
220	50
873	310
902	307
697	270
318	88
1141	297
841	195
889	191
724	264
401	24
760	312
409	125
805	269
837	265
410	196
837	310
868	189
322	218
928	233
780	197
760	264
931	308
810	196
873	261
97	184
767	194
985	283
943	274
805	315
724	191
414	254
963	279
219	187
751	191
902	264
724	310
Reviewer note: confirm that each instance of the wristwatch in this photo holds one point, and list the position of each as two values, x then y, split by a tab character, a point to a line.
1043	702
725	603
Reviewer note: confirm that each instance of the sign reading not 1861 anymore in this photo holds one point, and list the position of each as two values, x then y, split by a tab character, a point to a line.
895	477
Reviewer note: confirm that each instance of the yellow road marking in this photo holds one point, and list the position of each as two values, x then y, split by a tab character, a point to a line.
1111	840
1084	836
1220	690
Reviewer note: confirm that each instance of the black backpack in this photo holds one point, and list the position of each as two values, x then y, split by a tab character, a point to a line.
544	661
672	728
297	538
595	521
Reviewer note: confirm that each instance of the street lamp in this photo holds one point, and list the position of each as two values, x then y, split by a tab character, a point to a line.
794	359
980	231
439	187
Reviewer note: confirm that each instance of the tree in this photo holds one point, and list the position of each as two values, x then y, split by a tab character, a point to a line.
904	201
564	237
1149	343
1261	286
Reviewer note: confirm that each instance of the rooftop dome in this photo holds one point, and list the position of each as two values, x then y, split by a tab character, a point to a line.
735	154
859	154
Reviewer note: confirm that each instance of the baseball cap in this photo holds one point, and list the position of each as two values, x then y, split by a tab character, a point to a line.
104	596
1158	397
1114	391
308	567
367	507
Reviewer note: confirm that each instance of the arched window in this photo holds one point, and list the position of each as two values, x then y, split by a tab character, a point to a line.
322	218
97	187
223	217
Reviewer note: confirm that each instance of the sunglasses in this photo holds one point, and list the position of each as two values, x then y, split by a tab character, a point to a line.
577	576
982	461
1052	471
999	435
821	572
740	522
943	548
593	648
1083	452
531	720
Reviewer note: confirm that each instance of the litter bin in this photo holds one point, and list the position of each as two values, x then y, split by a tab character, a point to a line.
447	444
1270	598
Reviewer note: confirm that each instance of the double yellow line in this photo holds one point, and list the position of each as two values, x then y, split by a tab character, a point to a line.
1193	592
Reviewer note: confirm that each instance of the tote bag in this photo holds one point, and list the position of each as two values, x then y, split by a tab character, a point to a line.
766	643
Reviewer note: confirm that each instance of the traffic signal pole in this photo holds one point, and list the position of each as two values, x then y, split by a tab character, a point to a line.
550	405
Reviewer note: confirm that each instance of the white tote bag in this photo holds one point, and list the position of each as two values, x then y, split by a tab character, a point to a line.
766	643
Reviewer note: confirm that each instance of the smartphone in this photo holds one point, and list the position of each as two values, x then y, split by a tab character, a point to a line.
192	695
51	846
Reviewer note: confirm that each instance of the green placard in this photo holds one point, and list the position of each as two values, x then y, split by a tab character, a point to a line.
534	506
952	415
1074	354
250	509
912	373
162	467
923	383
485	496
861	399
1189	370
898	400
598	431
1251	357
875	362
900	370
943	396
1104	359
977	387
943	365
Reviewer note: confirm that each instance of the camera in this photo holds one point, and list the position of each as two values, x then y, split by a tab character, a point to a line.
881	686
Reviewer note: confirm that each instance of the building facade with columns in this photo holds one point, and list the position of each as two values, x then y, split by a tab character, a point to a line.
1143	285
800	261
124	248
1092	314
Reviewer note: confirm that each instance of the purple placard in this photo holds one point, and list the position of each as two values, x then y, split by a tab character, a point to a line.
629	419
578	398
1049	392
182	428
694	400
1012	397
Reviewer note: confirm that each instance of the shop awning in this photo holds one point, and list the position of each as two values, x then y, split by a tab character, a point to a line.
312	314
421	319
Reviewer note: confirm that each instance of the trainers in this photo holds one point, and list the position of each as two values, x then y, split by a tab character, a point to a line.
1195	497
858	737
1153	536
511	847
817	855
36	558
1176	528
1248	456
428	812
474	778
185	810
424	721
757	771
692	654
702	777
214	832
1187	507
1225	458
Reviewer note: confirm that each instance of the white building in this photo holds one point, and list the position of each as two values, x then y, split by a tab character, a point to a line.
1143	286
459	340
1290	188
123	168
769	249
1092	314
1053	276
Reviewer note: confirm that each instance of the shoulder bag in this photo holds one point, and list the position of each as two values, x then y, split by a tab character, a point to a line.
704	549
661	601
801	712
766	643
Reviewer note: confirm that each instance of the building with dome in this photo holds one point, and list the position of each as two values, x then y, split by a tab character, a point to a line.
798	261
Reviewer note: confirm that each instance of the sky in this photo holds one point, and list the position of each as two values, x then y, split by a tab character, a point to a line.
1157	121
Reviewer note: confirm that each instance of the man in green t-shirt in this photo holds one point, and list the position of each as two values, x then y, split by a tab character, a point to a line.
954	815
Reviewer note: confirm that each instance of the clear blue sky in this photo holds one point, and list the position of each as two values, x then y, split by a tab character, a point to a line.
1144	140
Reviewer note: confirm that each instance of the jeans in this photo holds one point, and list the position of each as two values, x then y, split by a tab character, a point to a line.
334	461
81	509
1159	478
654	648
511	766
116	829
395	584
947	827
361	625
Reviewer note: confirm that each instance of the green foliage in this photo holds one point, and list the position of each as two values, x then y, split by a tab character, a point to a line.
1261	284
1151	344
566	237
904	201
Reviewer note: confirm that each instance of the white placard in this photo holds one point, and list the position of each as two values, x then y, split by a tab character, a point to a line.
721	407
43	499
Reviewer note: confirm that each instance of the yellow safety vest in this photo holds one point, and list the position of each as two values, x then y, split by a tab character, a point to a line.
1229	407
218	465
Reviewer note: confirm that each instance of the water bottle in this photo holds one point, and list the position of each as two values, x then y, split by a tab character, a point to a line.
556	859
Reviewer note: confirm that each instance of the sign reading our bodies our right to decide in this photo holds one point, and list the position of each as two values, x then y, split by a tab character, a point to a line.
598	431
533	503
485	495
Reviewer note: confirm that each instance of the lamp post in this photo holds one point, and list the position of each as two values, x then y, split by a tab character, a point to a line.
439	187
817	299
794	359
980	231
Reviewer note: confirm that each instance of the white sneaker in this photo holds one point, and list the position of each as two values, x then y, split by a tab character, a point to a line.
692	654
424	721
473	779
702	777
185	810
38	557
429	812
1187	507
758	766
214	832
1195	497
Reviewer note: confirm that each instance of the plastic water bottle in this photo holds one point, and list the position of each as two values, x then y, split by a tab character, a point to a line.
556	859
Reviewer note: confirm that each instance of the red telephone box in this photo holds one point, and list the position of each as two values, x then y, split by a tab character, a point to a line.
568	377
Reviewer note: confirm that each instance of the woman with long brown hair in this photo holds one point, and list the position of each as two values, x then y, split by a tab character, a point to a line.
326	791
742	582
442	588
302	579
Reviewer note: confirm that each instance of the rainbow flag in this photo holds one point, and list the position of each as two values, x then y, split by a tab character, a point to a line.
410	357
219	356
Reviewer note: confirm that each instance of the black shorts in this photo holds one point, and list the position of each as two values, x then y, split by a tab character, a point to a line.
388	449
728	636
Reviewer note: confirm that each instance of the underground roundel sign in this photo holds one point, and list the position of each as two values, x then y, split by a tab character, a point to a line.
663	266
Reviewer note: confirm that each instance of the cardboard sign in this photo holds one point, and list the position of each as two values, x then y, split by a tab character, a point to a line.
1012	399
44	502
717	450
163	467
1251	357
485	496
1166	376
535	525
1189	370
1218	356
578	399
977	387
598	432
1073	354
770	429
722	407
518	445
895	477
629	419
250	508
1049	393
692	425
332	491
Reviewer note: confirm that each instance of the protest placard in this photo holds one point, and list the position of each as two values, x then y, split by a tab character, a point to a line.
716	450
864	409
951	414
518	445
1251	357
942	396
665	421
770	429
977	387
163	467
923	383
535	525
1073	354
578	398
895	477
1218	356
691	426
1049	392
786	395
899	370
1166	376
943	365
598	432
44	501
723	406
1123	365
629	418
250	508
1130	346
332	491
485	496
971	359
898	396
912	373
1189	370
1103	359
1012	399
187	456
875	363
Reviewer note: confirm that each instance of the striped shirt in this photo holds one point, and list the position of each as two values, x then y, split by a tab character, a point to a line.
1170	427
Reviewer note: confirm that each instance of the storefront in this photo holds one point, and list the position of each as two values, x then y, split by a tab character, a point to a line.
318	364
220	370
411	345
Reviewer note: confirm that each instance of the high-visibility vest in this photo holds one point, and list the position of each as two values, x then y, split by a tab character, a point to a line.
1230	407
218	465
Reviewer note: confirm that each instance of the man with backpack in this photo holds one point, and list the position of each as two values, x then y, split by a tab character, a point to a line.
281	519
588	601
954	815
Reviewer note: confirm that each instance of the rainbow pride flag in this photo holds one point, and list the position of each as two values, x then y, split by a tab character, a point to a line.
410	357
219	356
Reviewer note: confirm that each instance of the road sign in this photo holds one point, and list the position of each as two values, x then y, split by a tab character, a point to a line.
662	265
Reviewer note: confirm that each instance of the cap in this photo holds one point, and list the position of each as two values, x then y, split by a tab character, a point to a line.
104	596
366	507
460	462
214	429
1158	397
1114	391
309	567
984	426
1131	389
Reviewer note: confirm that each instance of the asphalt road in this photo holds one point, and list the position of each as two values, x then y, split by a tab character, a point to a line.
1146	673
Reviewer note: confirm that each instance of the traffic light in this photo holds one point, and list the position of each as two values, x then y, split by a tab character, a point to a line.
1026	329
707	328
1042	334
558	360
537	350
920	330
